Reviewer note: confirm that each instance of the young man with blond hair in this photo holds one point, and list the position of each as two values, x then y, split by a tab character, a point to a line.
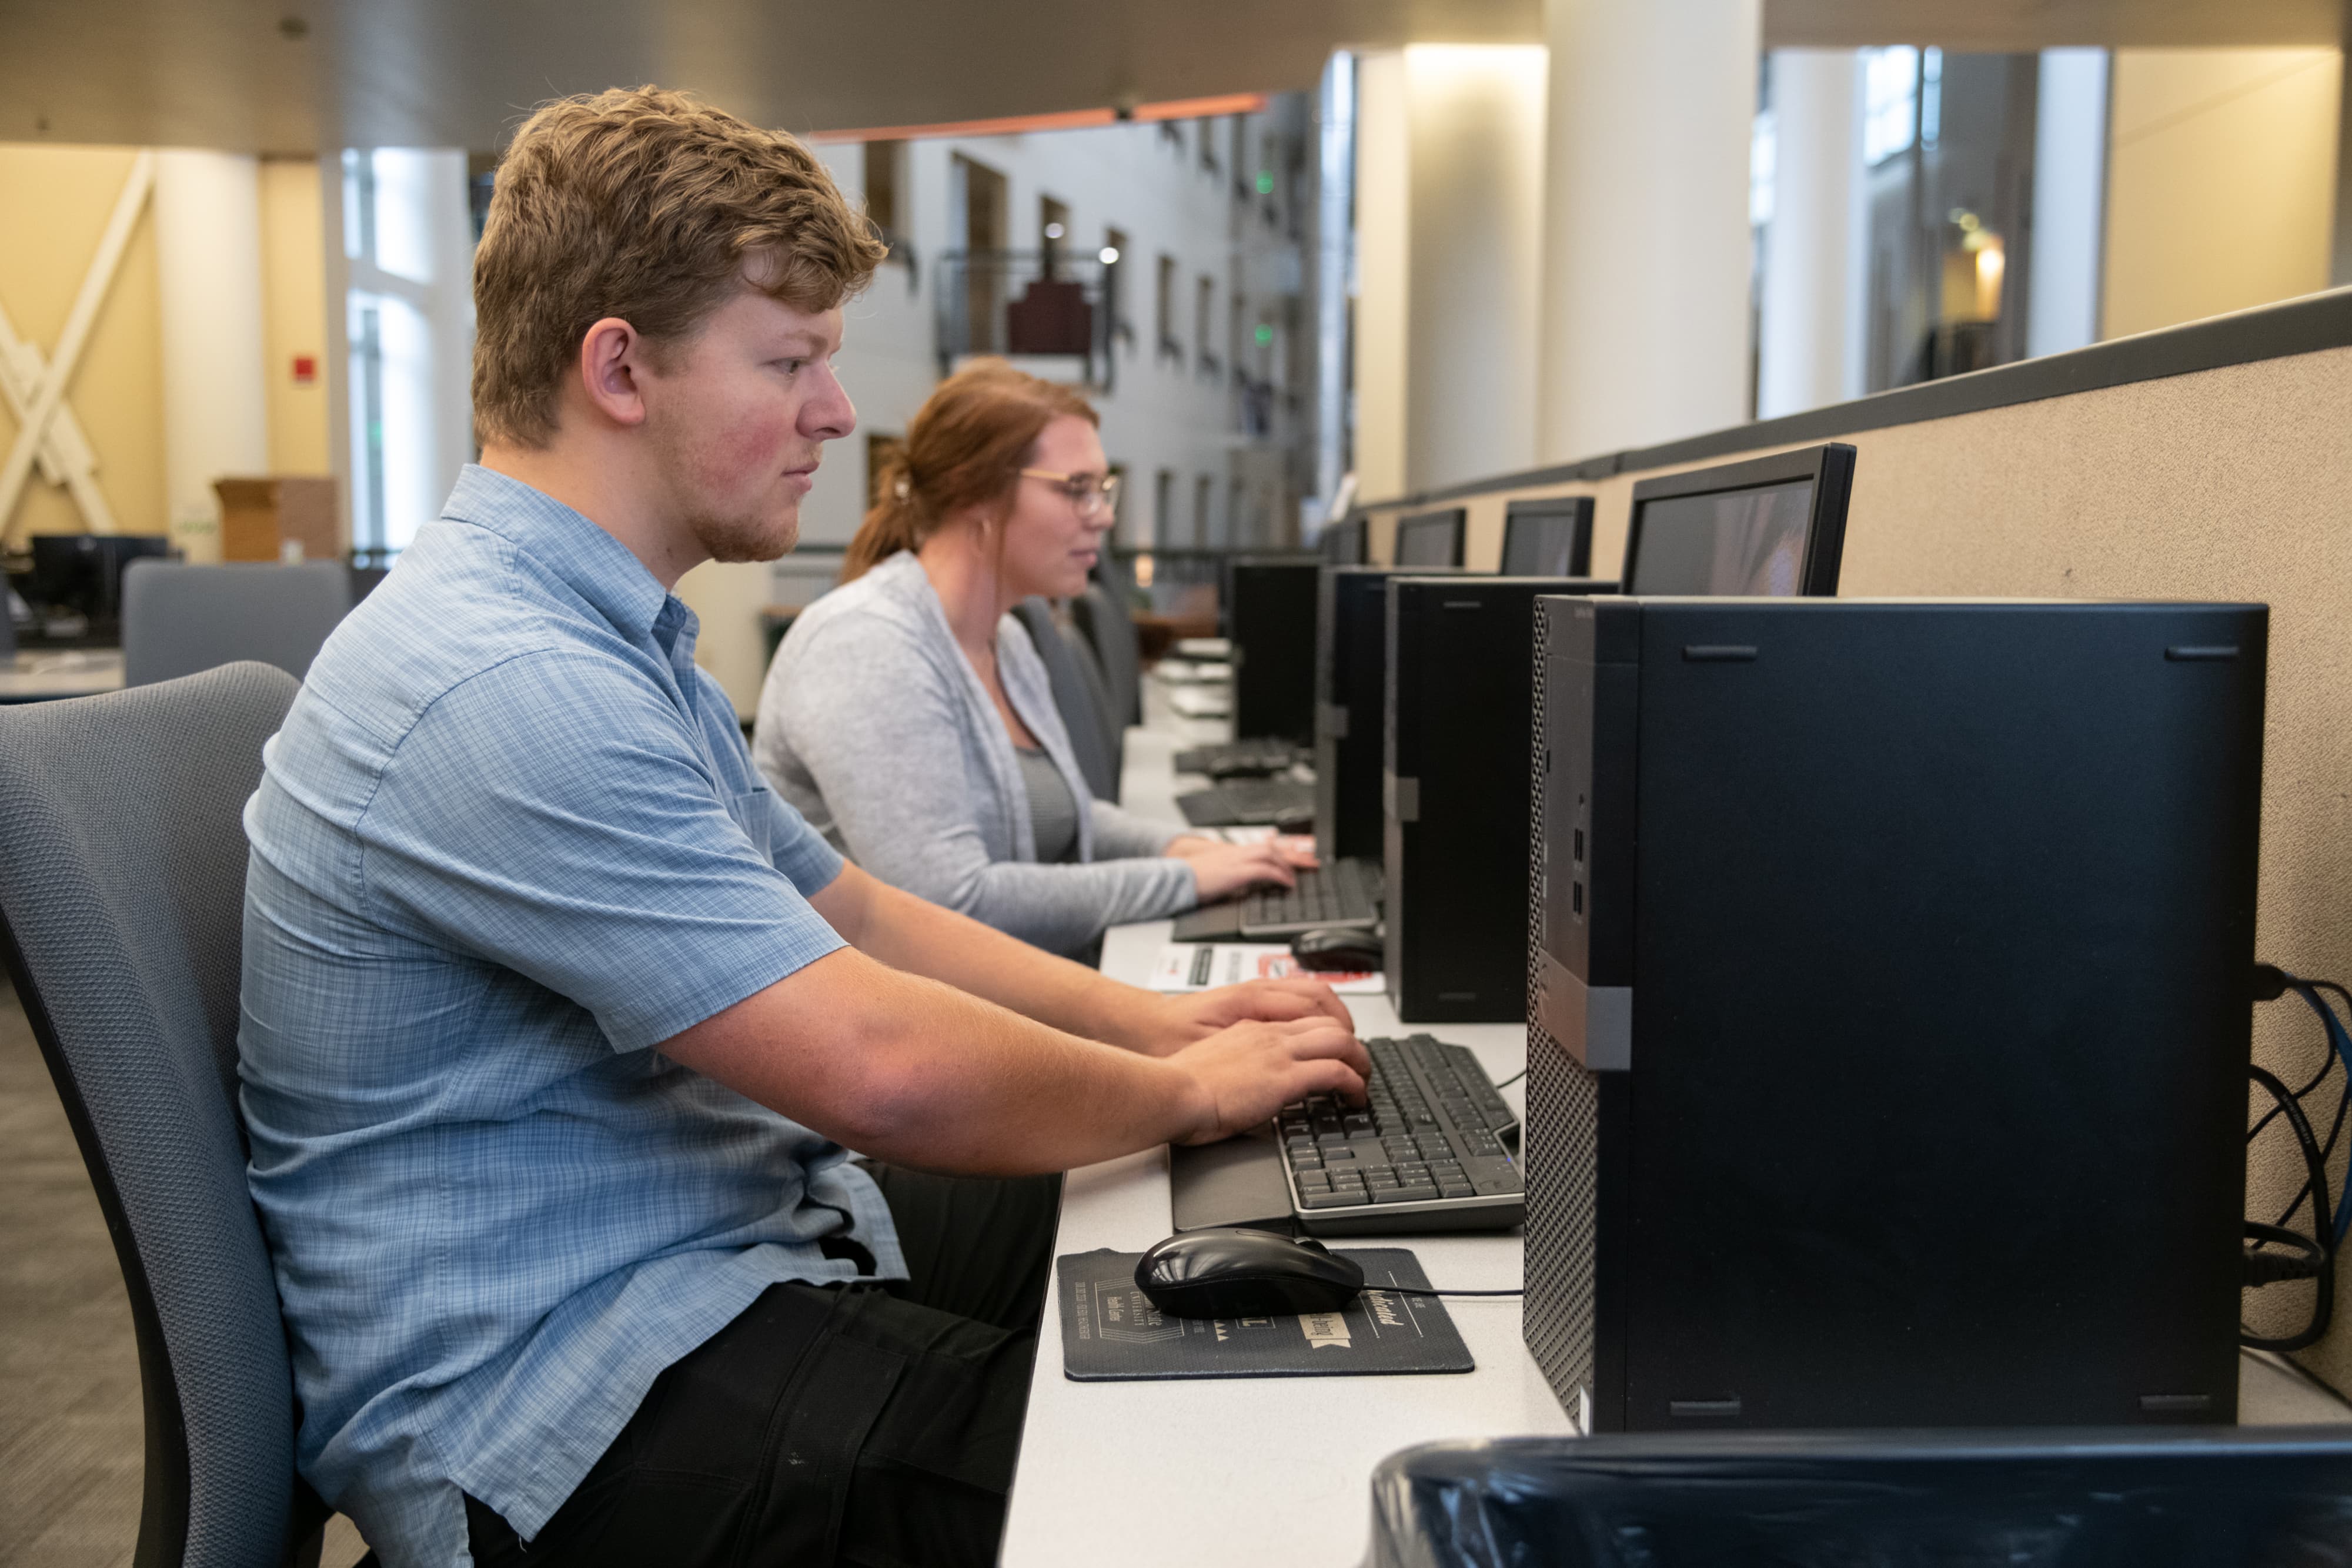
557	1022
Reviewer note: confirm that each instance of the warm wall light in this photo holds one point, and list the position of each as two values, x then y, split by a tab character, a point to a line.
1110	255
1992	263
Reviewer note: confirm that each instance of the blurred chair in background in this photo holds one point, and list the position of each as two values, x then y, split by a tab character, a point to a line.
179	619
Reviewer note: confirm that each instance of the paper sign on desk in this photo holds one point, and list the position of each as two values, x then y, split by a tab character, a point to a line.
1197	966
1112	1333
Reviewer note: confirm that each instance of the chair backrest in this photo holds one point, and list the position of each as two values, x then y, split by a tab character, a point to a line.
1097	689
122	861
1081	710
2177	1496
178	619
1110	629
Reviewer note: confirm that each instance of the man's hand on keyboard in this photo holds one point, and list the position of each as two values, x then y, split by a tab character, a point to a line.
1181	1019
1244	1075
1220	871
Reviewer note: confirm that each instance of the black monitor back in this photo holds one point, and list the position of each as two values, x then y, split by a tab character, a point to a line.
1453	789
1889	1009
1431	538
81	574
1347	542
1269	611
1769	526
1549	537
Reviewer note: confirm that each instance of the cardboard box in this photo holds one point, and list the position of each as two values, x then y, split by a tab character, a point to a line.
260	518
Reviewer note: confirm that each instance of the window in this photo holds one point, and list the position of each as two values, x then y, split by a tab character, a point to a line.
1903	92
1204	492
1170	347
1163	507
1052	230
885	166
981	195
407	227
1205	314
1115	286
1207	131
1890	78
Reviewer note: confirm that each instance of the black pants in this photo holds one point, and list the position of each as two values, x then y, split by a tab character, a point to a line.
873	1427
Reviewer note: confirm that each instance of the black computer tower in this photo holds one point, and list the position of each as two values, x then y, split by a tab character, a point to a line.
1453	793
1270	618
1889	1009
1350	689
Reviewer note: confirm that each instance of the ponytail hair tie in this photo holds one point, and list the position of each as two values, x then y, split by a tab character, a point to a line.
904	487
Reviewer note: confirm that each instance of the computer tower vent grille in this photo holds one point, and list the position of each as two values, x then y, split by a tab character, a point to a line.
1563	1133
1562	1144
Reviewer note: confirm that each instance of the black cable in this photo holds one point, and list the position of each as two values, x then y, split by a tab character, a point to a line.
2269	983
1417	1291
1514	1078
2315	1184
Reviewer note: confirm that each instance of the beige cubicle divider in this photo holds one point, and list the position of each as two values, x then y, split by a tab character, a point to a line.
2228	482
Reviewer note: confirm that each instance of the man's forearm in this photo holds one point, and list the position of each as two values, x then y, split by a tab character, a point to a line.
916	1073
908	933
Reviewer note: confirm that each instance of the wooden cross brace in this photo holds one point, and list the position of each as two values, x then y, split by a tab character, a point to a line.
36	393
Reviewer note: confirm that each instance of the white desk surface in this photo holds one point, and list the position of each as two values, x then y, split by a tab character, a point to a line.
1278	1470
32	677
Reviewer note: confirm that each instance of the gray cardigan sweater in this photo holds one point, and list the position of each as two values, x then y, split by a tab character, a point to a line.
876	728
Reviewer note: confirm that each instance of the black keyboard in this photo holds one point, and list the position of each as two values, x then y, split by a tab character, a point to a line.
1345	892
1426	1154
1242	758
1247	803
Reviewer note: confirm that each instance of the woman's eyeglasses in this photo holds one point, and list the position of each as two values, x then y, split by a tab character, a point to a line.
1093	497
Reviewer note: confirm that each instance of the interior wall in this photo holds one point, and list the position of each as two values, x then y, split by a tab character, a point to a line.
56	201
2231	483
294	315
2220	184
1383	272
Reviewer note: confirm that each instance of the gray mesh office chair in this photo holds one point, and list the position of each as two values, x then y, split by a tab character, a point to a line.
1078	696
178	619
121	908
1109	630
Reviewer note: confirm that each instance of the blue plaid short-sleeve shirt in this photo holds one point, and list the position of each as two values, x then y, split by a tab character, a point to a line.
508	842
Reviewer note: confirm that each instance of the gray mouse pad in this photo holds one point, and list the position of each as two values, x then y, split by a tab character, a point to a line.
1110	1332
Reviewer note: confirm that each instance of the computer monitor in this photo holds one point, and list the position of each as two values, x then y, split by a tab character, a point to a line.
1269	612
1431	539
1346	542
82	575
1772	527
1549	537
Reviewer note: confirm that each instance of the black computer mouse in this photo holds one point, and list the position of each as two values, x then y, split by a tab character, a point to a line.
1339	947
1236	1273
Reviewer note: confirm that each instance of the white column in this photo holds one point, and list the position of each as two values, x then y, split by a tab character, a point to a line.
2070	188
215	407
1815	283
1476	114
1383	266
1645	329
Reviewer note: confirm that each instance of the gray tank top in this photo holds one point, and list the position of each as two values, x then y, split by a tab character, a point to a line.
1053	815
